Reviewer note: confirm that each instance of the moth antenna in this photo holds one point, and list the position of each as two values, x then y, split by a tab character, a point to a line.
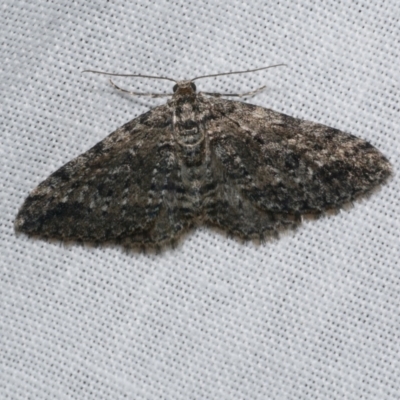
130	75
237	72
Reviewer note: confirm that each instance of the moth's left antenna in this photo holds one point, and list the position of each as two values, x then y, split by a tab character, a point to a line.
135	76
130	75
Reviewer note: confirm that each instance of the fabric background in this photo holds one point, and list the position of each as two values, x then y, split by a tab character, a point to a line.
314	315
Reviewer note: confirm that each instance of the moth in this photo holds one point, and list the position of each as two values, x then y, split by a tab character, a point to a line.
202	159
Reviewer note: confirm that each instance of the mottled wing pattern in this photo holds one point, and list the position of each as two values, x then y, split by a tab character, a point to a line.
235	214
118	191
246	169
280	168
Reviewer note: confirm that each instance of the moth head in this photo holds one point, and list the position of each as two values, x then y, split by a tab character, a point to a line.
184	88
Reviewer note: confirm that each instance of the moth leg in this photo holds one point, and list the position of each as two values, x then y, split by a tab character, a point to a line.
140	94
252	93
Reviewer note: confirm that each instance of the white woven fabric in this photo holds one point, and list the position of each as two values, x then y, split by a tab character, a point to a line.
315	315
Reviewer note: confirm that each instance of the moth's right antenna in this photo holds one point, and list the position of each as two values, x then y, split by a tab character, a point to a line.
252	93
237	72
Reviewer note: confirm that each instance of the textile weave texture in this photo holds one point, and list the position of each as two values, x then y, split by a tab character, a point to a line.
313	315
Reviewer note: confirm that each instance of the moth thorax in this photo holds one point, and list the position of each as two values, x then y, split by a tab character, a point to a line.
187	130
189	136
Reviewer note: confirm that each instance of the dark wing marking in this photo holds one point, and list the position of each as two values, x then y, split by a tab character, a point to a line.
225	206
231	212
282	164
118	191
